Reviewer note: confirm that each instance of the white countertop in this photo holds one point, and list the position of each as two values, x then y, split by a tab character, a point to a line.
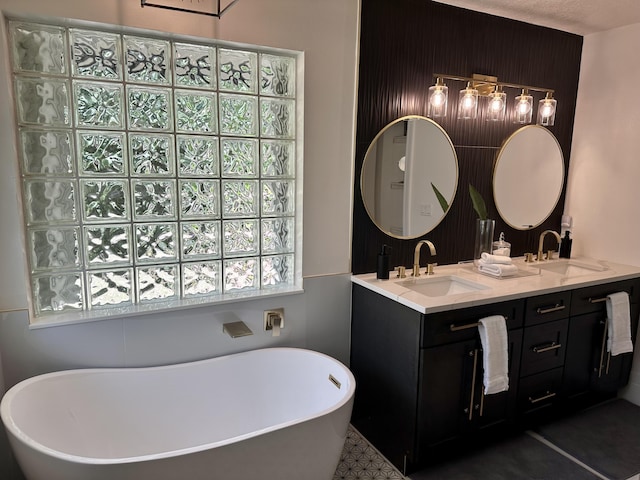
530	280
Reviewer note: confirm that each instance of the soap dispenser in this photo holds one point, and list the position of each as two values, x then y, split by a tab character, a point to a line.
383	263
565	245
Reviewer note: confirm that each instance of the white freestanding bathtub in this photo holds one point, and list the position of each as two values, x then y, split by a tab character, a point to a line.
271	414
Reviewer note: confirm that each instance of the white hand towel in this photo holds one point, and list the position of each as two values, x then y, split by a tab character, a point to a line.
497	269
501	259
618	324
495	353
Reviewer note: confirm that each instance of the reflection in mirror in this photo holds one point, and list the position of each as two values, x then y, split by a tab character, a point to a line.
409	177
528	177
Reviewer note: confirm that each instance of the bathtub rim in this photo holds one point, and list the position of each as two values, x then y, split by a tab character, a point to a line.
14	431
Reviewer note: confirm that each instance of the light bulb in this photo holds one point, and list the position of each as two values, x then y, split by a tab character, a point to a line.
524	107
468	103
547	111
497	104
437	102
437	99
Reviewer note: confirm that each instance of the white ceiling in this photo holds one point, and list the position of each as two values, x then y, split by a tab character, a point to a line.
581	17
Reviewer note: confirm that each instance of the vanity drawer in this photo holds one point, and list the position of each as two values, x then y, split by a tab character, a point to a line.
547	308
460	325
544	346
592	299
540	390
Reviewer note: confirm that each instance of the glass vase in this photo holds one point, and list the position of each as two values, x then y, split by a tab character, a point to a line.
484	238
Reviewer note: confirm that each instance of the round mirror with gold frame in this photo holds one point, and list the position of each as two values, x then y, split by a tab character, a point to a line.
409	177
528	177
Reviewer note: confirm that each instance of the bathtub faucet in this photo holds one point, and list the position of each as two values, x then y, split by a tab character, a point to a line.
236	329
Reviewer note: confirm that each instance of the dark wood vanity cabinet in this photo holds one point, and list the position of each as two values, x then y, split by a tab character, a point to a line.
419	376
452	402
591	373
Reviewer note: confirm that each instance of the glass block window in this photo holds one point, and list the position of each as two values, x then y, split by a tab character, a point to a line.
153	169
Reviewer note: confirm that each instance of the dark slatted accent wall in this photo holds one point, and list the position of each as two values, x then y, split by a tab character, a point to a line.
402	43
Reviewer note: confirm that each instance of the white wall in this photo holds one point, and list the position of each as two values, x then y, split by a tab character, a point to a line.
603	193
319	318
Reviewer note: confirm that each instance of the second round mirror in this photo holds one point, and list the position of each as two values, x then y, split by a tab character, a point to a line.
528	177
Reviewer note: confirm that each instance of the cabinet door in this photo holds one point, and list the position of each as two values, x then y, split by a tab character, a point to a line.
588	365
451	391
499	408
448	372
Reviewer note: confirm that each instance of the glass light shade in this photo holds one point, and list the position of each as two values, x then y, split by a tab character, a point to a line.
547	111
523	108
497	105
468	103
438	99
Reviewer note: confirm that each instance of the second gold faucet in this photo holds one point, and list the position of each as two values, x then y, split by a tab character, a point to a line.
540	244
416	258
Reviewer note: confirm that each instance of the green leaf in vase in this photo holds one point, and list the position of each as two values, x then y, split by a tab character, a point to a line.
478	203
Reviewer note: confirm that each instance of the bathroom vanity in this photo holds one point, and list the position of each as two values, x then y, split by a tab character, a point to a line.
417	357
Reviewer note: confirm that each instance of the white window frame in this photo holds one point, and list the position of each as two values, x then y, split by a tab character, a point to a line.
83	270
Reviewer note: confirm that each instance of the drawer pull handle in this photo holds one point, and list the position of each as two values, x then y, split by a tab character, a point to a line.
556	308
546	348
454	328
597	300
544	397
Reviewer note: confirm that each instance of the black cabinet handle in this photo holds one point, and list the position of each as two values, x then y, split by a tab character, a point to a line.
547	396
556	308
546	347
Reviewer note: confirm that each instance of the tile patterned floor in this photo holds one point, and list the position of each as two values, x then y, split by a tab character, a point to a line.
360	460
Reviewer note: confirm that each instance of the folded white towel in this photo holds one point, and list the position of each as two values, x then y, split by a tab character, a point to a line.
501	259
618	324
495	353
497	269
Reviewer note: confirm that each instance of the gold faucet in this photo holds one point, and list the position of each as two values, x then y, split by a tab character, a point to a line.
416	258
540	244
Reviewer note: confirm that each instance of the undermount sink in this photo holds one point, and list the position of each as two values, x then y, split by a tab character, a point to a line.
440	286
570	268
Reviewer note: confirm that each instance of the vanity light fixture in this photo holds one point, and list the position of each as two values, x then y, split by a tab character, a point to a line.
212	8
468	103
497	104
524	107
547	110
438	99
490	87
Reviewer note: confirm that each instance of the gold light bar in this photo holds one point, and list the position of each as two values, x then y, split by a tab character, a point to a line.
485	84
